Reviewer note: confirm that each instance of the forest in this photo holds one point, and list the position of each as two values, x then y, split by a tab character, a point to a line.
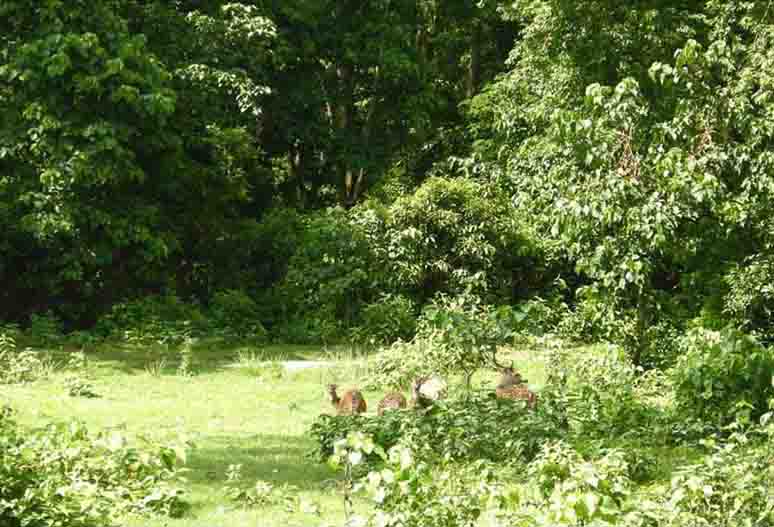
211	210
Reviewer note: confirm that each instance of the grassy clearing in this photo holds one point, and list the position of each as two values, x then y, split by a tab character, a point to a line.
240	407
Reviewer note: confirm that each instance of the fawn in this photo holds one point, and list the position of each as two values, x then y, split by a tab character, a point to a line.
350	403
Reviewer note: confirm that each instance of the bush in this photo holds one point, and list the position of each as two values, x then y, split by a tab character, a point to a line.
476	427
64	475
411	493
454	235
45	329
733	485
154	319
232	313
594	392
455	335
566	490
388	319
723	376
398	365
20	366
329	278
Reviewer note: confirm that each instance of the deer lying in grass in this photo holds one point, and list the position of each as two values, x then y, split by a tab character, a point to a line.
350	403
391	401
512	386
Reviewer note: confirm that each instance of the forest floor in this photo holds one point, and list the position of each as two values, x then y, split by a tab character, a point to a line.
239	407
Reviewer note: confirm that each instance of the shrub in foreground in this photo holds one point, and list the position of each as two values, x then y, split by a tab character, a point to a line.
475	427
723	376
63	475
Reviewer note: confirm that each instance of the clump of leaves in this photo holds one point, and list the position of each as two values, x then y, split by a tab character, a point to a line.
261	494
723	376
234	314
65	475
78	383
595	392
410	492
733	485
45	328
78	387
186	351
390	318
20	366
566	490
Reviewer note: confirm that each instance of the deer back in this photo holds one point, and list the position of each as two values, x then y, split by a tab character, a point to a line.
517	392
391	401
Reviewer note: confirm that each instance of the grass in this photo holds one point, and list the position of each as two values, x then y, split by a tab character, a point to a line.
239	407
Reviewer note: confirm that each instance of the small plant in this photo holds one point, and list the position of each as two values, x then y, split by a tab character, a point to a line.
184	367
77	386
77	383
21	366
566	490
595	393
261	494
349	453
155	368
253	365
410	492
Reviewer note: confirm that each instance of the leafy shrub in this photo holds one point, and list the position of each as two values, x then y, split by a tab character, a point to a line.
723	376
733	485
64	475
310	328
234	313
595	392
261	494
409	492
454	235
596	318
45	329
543	315
750	294
388	319
566	490
397	365
153	319
19	366
329	278
475	427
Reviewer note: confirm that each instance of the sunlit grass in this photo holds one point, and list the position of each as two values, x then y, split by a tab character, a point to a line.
233	417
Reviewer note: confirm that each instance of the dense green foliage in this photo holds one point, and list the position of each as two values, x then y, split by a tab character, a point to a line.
436	178
65	475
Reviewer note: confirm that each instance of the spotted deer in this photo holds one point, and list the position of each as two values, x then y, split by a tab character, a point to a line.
512	386
350	403
391	401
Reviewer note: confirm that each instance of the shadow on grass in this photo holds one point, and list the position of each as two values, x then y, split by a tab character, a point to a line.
275	458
